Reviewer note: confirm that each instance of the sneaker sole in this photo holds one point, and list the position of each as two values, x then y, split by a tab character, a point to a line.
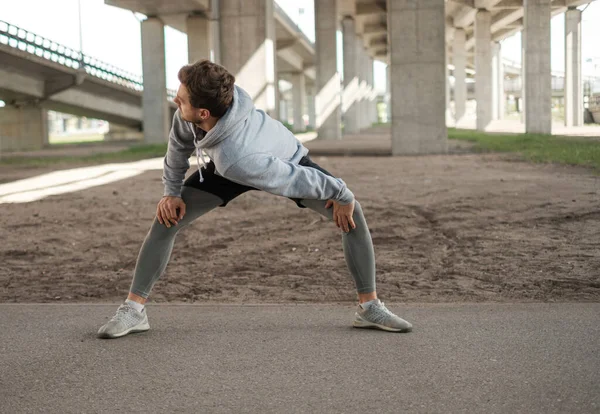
136	329
370	325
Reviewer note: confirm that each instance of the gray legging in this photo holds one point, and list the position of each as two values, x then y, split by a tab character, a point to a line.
156	250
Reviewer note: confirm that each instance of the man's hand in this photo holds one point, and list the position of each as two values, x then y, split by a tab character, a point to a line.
342	215
166	211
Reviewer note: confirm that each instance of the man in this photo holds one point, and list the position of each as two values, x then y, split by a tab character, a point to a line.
248	150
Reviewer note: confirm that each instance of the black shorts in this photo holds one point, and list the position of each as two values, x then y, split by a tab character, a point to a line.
227	190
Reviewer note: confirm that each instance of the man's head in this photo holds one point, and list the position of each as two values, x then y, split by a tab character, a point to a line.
206	91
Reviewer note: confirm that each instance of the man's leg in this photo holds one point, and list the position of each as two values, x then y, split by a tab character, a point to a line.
360	258
158	245
358	249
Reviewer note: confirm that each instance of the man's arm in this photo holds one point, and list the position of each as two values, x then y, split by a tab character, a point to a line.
273	175
176	162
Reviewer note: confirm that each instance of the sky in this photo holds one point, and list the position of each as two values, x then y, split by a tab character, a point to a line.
112	35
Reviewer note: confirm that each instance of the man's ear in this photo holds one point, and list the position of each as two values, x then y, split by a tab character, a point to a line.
204	114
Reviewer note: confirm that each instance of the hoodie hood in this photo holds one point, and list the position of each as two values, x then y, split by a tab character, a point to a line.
234	118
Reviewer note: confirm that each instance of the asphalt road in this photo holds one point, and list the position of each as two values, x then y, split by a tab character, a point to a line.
493	358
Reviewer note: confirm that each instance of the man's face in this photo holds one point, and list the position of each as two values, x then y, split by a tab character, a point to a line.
188	112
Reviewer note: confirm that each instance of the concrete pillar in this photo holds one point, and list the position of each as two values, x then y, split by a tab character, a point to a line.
447	78
416	31
350	105
573	84
198	32
373	102
312	115
299	100
23	128
328	98
538	78
497	82
483	68
215	31
459	59
247	31
364	74
154	98
388	93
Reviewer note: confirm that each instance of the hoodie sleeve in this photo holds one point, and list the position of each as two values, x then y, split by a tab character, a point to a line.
275	176
176	162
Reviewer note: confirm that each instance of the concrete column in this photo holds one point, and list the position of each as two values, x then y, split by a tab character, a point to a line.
350	105
573	84
199	42
364	75
248	49
447	78
154	99
215	31
538	78
416	31
483	68
312	115
23	128
373	101
388	93
497	82
299	98
459	59
328	98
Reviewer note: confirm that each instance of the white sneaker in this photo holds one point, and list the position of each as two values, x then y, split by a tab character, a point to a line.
376	315
127	320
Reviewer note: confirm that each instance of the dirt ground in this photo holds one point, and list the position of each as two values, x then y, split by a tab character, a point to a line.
445	228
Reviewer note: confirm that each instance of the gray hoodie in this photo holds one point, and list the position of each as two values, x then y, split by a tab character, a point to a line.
249	147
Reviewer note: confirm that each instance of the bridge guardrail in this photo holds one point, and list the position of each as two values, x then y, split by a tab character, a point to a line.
37	45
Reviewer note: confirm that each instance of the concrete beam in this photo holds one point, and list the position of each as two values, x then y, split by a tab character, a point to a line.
374	29
508	4
464	17
292	58
485	4
469	3
365	9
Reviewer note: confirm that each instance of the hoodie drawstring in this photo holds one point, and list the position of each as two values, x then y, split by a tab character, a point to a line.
199	153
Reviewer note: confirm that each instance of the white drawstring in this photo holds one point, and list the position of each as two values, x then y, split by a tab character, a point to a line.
199	153
198	156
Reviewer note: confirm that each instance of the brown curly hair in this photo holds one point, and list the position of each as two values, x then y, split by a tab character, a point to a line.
210	86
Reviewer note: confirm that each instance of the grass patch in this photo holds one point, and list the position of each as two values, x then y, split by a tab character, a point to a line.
535	147
133	153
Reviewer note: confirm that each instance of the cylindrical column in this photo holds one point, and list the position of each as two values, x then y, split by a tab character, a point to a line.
373	96
154	97
459	59
388	93
328	98
351	83
573	84
247	33
299	99
483	68
497	82
198	32
312	115
416	32
538	78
